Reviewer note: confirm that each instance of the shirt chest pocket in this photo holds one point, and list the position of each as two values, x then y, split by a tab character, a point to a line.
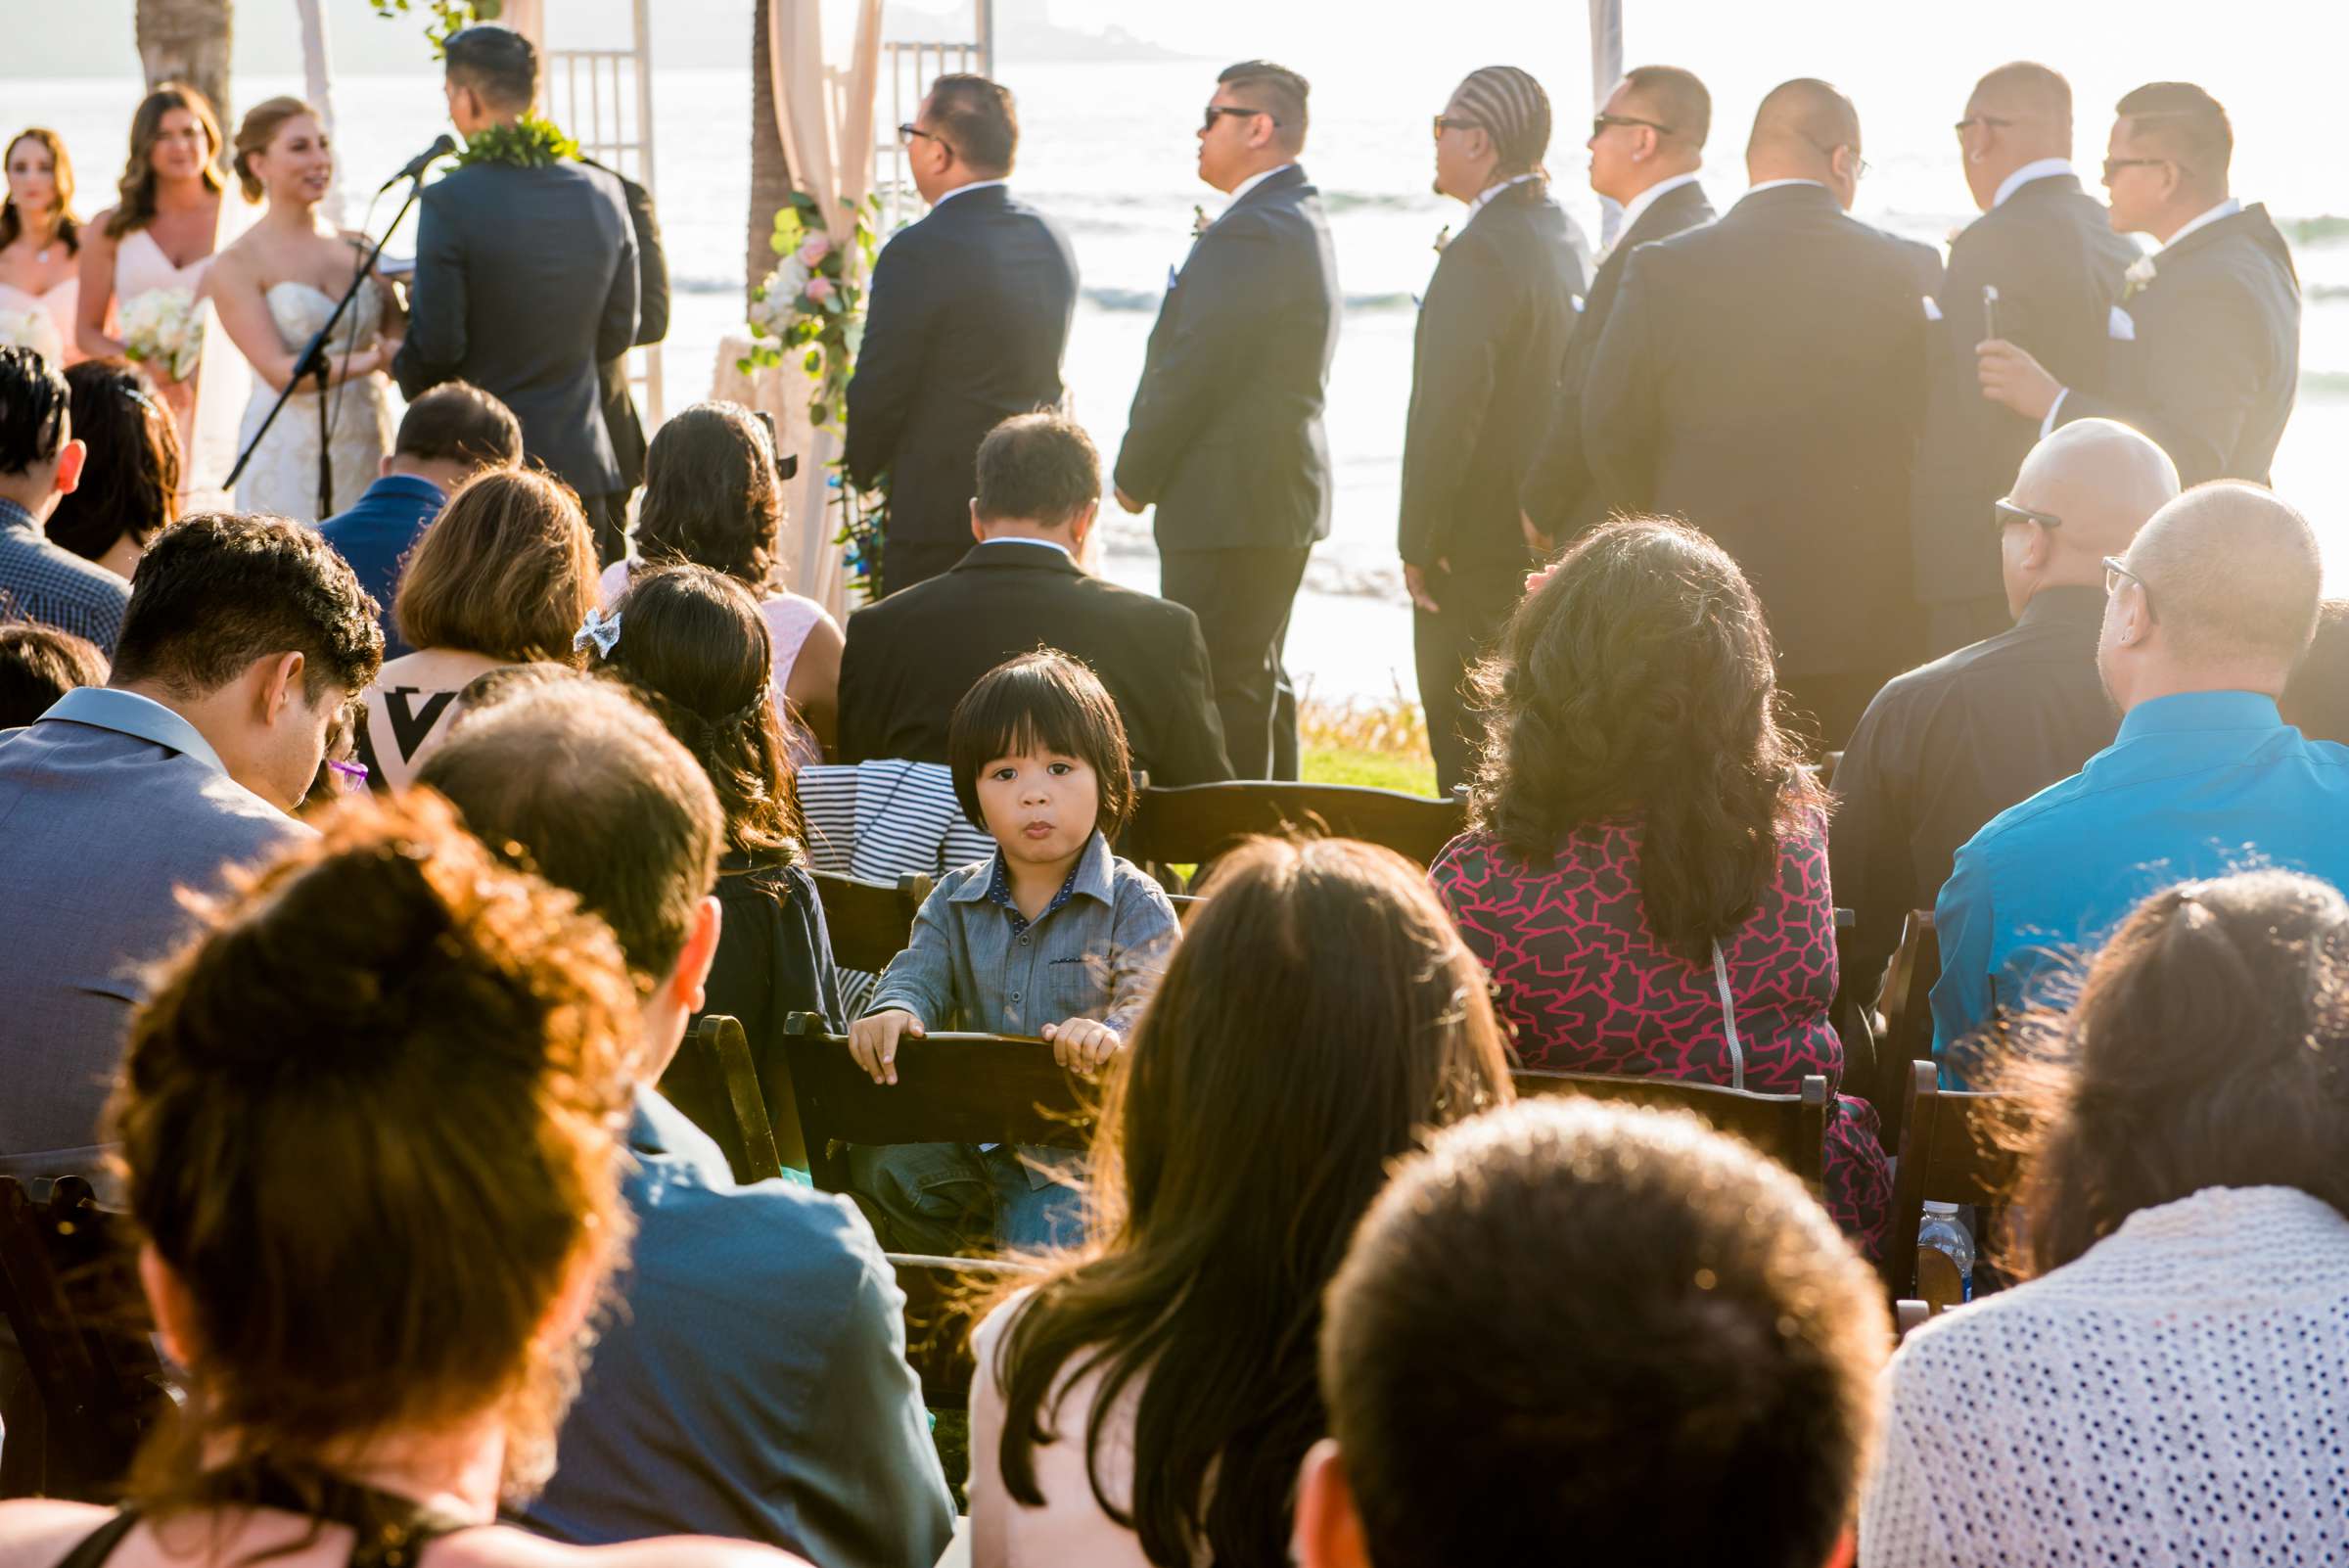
1076	986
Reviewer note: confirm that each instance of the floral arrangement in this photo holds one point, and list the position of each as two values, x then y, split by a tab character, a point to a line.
531	142
448	15
32	329
164	327
811	308
2139	276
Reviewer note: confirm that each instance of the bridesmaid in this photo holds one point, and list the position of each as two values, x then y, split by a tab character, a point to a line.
40	242
163	231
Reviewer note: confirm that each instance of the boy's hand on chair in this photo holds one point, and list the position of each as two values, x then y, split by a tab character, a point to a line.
1085	1043
873	1042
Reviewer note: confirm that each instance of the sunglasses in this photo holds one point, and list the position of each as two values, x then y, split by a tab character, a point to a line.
2003	513
2115	573
1215	112
351	776
2113	165
1985	122
1600	123
1444	123
909	131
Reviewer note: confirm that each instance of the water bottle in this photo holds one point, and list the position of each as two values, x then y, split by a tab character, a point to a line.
1944	1258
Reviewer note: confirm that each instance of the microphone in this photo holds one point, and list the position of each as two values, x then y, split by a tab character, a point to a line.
415	167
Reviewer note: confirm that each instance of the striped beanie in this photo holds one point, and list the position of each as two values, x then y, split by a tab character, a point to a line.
1514	112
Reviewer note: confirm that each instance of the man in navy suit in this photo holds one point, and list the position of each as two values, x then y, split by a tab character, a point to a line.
966	326
1225	434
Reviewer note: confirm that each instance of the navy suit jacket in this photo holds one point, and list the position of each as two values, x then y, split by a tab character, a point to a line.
1225	434
376	535
756	1385
967	322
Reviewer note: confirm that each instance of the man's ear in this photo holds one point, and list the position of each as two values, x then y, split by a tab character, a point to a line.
280	677
1329	1531
383	466
1081	525
71	459
978	528
692	973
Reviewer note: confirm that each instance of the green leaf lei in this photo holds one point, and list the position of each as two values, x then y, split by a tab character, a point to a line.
530	142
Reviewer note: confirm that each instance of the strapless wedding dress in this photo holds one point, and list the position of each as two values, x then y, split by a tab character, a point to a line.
283	476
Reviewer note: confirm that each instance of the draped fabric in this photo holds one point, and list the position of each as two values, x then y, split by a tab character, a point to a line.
318	89
1606	69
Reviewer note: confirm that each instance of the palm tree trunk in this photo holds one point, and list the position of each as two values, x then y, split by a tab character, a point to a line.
770	171
187	40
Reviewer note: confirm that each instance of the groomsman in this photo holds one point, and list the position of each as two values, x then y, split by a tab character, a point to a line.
1499	313
1225	433
2047	248
1647	146
621	422
2206	356
966	326
1763	377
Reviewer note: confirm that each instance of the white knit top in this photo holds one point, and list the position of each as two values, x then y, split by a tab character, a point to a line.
2177	1395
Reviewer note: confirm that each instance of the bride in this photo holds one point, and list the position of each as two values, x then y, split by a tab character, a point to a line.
273	290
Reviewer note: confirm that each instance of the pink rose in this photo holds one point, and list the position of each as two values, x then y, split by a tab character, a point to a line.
814	247
819	289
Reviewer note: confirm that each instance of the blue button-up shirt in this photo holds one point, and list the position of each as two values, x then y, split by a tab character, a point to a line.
42	580
2196	785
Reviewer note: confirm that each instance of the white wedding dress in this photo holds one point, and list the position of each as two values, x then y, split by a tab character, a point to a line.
283	476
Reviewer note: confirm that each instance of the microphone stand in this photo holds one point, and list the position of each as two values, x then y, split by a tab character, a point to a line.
315	362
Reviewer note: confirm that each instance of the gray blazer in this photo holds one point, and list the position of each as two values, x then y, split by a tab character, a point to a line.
110	805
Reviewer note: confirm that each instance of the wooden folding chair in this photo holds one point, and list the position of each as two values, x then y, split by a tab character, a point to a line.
1194	823
869	921
940	1293
1790	1129
950	1088
714	1082
70	1289
1946	1156
1907	1006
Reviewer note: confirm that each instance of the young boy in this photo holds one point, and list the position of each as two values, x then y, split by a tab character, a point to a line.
1054	936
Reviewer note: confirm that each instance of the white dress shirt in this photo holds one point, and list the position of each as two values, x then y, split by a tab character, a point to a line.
943	196
1639	204
1251	183
1490	192
2040	169
1771	185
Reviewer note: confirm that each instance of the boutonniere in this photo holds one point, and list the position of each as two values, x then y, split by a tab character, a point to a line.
1200	221
2140	275
1443	238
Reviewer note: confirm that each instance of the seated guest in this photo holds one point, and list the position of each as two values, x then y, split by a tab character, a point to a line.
1052	935
129	489
1946	747
446	436
39	665
243	638
2316	699
912	656
2204	618
1149	1401
505	575
713	499
377	1291
2170	1370
1646	870
1687	1316
755	1383
694	649
40	461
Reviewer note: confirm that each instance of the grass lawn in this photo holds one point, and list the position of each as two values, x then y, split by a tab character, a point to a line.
1379	744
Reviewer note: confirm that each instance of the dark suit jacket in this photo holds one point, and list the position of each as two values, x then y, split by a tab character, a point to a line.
2215	364
969	318
1225	433
375	535
1763	378
1495	323
620	419
1559	493
912	656
526	285
2056	264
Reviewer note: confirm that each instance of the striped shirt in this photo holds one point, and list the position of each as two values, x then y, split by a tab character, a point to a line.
43	581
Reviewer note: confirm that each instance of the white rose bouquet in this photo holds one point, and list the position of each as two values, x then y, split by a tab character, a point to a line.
164	327
34	330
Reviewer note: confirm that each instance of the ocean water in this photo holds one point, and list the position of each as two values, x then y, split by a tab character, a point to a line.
1107	148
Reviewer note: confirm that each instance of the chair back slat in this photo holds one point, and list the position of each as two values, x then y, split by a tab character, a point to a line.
1193	823
1946	1156
869	922
714	1082
1906	1003
938	1293
950	1088
1790	1129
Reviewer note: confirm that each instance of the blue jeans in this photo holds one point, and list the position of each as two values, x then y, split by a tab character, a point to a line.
949	1198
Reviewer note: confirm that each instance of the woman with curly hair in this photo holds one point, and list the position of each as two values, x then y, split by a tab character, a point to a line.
1646	870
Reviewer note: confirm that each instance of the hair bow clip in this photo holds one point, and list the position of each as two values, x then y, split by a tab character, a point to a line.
599	631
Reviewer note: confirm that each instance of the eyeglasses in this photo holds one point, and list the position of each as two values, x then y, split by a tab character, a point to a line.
353	776
1215	112
2115	573
1985	122
909	131
1600	123
2113	165
1444	123
1861	167
2003	513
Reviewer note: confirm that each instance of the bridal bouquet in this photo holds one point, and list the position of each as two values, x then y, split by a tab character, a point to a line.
34	330
164	327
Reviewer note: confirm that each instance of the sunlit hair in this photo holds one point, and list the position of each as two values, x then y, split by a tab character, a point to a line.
369	1119
134	205
1046	701
711	494
130	479
259	127
11	221
1318	1019
507	570
2208	1048
1638	680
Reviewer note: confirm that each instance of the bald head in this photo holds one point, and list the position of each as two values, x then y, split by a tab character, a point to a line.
1797	129
2235	580
2104	480
2026	91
